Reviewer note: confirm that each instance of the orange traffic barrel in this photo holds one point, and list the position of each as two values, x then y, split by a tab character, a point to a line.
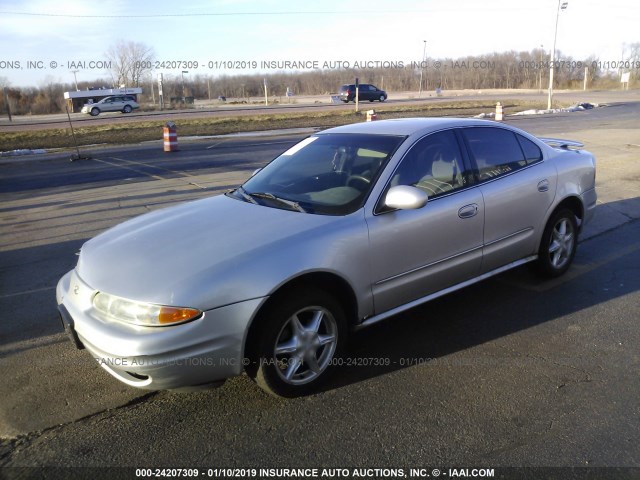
170	137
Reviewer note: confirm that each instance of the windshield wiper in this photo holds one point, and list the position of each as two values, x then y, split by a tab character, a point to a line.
284	201
243	193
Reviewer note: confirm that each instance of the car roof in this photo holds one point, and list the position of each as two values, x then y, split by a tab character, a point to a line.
409	126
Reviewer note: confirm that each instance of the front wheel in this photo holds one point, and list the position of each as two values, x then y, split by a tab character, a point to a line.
301	336
95	112
558	245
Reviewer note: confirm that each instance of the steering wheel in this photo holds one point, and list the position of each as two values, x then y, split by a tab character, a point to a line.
358	178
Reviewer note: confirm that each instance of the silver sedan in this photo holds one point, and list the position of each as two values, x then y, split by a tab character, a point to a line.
347	228
114	103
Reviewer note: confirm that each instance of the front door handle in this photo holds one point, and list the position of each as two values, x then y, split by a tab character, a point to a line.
543	185
468	211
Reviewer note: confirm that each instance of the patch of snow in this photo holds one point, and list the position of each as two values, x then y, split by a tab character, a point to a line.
23	151
578	107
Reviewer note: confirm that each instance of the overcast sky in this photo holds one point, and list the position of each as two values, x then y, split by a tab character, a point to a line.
333	30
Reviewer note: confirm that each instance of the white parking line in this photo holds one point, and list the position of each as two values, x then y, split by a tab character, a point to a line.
27	292
157	177
281	142
575	271
131	162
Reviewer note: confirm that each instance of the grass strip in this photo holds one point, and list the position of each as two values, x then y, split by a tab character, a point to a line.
139	131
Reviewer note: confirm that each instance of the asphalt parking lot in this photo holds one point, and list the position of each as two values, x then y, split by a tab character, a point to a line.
511	372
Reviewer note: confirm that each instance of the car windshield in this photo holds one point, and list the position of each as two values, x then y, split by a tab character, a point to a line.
328	174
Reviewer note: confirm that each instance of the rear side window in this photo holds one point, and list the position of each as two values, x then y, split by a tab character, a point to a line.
532	153
496	151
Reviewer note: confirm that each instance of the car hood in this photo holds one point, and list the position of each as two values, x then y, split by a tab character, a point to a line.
172	256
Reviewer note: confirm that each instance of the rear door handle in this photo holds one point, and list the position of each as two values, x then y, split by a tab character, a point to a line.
468	211
543	185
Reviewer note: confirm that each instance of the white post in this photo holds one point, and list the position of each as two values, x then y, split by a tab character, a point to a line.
357	95
266	97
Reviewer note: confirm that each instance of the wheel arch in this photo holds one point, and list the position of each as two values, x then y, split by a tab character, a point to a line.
572	203
330	282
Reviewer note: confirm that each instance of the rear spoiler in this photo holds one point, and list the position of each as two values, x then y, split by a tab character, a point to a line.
560	143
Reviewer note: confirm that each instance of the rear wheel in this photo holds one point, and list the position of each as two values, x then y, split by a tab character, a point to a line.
300	338
558	245
127	109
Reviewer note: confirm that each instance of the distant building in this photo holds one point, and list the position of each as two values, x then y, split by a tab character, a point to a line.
77	99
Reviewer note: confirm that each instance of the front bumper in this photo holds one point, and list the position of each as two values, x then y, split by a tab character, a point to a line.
198	353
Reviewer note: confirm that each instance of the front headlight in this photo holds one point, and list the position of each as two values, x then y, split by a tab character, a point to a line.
120	309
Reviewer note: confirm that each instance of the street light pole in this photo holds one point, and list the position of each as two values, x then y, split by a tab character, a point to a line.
540	69
424	53
561	6
75	78
183	94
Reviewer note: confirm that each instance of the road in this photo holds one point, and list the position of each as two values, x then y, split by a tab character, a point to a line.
509	372
307	105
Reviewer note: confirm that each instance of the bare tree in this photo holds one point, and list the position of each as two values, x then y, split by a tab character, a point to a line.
634	59
130	62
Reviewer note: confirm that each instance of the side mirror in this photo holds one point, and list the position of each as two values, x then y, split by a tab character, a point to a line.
405	197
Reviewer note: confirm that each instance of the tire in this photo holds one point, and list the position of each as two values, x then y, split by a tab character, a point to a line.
371	100
382	98
558	245
95	112
127	109
300	337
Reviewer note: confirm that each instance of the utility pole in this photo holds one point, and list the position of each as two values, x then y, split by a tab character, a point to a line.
6	101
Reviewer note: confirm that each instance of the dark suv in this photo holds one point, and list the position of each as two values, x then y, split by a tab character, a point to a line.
347	93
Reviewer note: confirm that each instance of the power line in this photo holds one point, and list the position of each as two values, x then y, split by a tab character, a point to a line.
230	14
205	14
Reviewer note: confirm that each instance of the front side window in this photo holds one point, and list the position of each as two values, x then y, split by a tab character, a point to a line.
326	174
496	151
434	164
